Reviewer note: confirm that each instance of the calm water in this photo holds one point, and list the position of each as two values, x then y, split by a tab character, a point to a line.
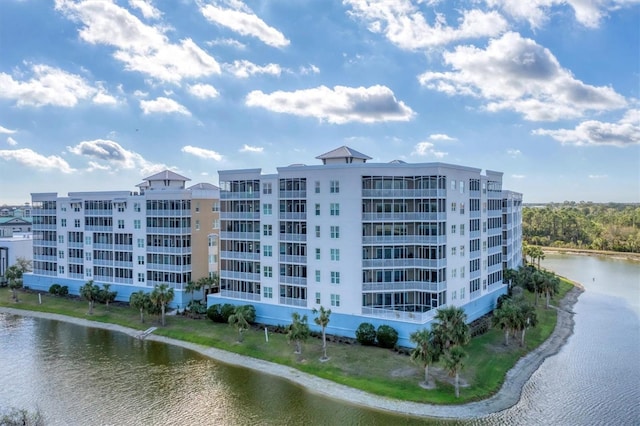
82	376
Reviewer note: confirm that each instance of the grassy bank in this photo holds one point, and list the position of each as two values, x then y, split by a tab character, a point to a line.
375	370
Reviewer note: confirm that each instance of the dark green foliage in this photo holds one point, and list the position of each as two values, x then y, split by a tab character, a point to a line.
501	300
197	307
250	313
214	314
63	291
221	313
226	311
54	289
366	334
387	336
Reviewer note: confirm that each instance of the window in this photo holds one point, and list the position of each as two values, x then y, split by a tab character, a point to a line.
461	276
335	277
317	254
334	186
335	209
484	246
317	275
61	254
335	232
76	208
454	272
61	239
216	224
267	188
453	229
267	209
197	225
268	271
63	222
87	272
317	186
335	300
484	226
61	269
140	277
215	207
461	208
453	295
87	256
268	292
140	242
136	223
136	207
462	229
317	231
453	251
335	254
484	207
317	209
197	206
268	251
453	184
267	230
462	192
140	260
120	223
461	250
76	223
453	207
484	265
462	293
317	298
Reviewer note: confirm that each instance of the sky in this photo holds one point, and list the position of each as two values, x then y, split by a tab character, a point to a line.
97	95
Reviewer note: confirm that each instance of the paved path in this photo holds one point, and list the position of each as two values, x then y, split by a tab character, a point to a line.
506	397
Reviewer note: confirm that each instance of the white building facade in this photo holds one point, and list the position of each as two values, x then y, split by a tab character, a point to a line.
385	243
130	240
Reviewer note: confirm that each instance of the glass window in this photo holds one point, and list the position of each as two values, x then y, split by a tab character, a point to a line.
462	229
317	254
137	224
317	209
335	209
453	207
453	229
335	232
453	184
267	209
334	186
267	188
268	251
268	271
140	277
317	231
63	222
317	298
140	260
140	242
267	230
317	276
335	277
335	300
317	186
335	254
268	292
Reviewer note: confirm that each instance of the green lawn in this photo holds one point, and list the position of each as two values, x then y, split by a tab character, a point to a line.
372	369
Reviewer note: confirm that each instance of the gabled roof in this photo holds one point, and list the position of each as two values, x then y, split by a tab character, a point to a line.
203	185
14	220
167	175
343	152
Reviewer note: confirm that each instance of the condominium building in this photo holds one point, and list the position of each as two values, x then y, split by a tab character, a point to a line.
384	243
164	233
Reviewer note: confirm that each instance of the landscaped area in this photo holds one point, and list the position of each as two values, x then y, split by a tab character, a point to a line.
376	370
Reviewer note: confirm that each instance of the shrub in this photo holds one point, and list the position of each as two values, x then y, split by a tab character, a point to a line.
197	307
63	291
226	311
250	313
387	336
213	313
501	300
54	289
366	334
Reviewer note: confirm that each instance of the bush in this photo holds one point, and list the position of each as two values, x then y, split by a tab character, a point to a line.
501	300
63	291
197	307
54	289
387	336
250	313
226	311
213	313
366	334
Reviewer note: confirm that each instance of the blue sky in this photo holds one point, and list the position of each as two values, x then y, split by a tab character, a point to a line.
96	95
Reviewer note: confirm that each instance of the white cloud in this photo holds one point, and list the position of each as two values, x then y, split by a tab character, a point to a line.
203	91
441	137
103	98
241	19
515	73
11	141
592	132
311	69
109	155
140	94
404	24
598	176
248	148
518	176
142	48
32	159
4	130
163	105
226	42
50	86
148	10
244	69
338	105
202	153
514	153
427	149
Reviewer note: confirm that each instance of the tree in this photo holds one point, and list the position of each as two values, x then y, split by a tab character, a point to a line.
90	292
527	317
192	287
550	286
161	296
14	274
298	331
106	295
451	328
323	321
453	362
141	301
505	317
426	351
239	320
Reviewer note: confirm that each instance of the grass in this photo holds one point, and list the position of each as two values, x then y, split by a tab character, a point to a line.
375	370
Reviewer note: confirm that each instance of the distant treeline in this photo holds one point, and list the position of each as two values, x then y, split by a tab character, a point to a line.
611	226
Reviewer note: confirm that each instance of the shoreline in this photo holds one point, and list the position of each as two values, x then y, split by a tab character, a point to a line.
508	395
635	257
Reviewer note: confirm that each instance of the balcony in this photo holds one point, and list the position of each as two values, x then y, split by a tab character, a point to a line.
240	295
302	194
293	216
185	230
168	268
302	281
404	216
239	255
226	235
405	286
398	315
404	239
242	276
404	193
252	195
240	215
293	237
404	263
290	301
289	258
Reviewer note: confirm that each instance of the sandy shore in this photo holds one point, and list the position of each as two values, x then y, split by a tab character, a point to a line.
506	397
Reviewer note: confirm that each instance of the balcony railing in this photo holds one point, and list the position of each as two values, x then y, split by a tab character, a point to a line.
290	301
404	286
404	239
404	216
405	262
404	193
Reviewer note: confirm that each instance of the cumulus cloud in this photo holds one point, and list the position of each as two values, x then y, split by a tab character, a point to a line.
4	130
142	48
405	25
338	105
164	106
226	42
202	153
514	153
245	69
11	141
441	137
108	155
518	176
51	86
427	149
311	69
239	18
516	73
32	159
147	9
203	91
598	176
623	133
249	148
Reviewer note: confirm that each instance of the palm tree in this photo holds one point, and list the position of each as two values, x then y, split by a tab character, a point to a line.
106	295
550	286
140	300
298	331
505	317
90	292
13	274
322	320
426	351
527	318
454	363
239	321
161	296
451	328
